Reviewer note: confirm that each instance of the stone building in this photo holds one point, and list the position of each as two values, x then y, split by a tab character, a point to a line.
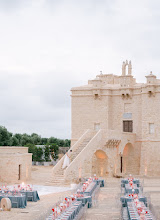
15	164
115	127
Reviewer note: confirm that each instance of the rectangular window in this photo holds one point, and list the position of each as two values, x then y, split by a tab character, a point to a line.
19	172
127	126
151	128
96	96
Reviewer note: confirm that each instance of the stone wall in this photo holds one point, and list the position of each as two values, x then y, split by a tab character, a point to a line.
150	158
9	165
104	104
21	150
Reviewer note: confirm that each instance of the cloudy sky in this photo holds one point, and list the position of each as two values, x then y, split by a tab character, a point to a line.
49	46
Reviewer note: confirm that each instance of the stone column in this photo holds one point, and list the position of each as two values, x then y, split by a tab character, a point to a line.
129	68
123	69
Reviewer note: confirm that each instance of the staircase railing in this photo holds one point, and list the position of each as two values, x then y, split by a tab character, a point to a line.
86	134
58	166
85	153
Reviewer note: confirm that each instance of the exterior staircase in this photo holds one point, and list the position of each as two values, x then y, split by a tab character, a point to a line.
58	178
58	174
80	148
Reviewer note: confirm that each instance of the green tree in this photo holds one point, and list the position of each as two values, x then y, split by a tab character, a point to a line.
26	139
36	139
54	149
39	154
5	137
67	143
53	140
8	139
44	141
32	149
47	153
19	137
61	143
14	141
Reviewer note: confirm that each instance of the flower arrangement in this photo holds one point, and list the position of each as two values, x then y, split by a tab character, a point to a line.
25	187
141	209
59	208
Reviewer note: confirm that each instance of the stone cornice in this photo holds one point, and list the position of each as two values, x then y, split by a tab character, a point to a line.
144	140
134	94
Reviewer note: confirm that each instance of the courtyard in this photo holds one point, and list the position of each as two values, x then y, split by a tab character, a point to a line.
106	207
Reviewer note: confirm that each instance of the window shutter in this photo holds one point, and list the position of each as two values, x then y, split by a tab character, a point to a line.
127	126
130	126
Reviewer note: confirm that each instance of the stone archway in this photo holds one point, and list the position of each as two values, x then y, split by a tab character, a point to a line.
100	163
130	163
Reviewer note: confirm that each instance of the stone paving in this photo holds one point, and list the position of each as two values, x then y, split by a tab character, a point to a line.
107	207
34	210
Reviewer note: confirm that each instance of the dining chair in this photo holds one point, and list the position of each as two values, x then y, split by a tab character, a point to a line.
14	201
30	196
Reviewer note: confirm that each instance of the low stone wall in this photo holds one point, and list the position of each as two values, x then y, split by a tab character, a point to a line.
20	150
15	167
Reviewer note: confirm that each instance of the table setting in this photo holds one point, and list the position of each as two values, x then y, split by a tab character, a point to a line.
66	210
88	187
83	198
99	182
134	203
137	210
18	200
129	197
70	207
29	192
19	194
130	187
126	181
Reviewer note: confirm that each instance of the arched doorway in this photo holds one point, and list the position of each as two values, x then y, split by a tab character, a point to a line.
100	163
129	160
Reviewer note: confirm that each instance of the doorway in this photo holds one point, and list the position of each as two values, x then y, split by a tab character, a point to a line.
131	160
121	164
100	163
19	171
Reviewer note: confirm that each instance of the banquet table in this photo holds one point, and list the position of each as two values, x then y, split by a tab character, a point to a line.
31	195
132	211
70	213
100	182
86	199
126	198
149	215
128	188
133	214
17	201
125	181
90	189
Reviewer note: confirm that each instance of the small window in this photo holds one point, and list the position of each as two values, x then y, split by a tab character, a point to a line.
151	128
96	96
127	126
150	93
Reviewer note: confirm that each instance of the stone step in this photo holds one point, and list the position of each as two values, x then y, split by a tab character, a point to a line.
59	175
59	178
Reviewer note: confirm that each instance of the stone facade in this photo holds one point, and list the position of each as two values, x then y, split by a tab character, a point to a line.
109	100
15	164
121	120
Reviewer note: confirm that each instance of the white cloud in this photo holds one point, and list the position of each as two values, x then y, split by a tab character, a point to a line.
47	47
